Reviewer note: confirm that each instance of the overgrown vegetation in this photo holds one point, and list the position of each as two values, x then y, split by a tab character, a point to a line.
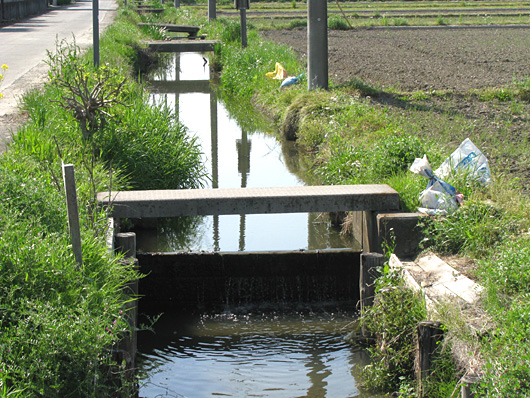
61	326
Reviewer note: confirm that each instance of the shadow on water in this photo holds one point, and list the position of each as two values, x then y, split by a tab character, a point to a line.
242	352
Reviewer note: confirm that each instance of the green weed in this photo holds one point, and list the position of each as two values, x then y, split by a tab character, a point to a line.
393	320
440	20
476	228
337	22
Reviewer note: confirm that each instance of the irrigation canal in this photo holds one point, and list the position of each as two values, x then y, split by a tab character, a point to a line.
274	349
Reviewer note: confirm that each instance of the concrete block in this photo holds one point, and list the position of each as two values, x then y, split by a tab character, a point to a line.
402	228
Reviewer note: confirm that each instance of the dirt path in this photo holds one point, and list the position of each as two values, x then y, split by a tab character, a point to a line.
412	59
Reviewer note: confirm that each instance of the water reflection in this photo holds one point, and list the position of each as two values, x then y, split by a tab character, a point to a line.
234	157
299	354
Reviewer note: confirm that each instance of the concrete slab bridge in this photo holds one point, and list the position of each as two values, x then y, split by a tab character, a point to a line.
216	279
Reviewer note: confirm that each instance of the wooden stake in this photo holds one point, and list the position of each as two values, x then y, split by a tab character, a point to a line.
73	213
370	262
430	335
467	382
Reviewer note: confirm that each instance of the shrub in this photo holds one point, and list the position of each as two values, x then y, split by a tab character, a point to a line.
337	22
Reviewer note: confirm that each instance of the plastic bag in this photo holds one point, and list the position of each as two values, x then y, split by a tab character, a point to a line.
468	159
291	80
279	72
439	196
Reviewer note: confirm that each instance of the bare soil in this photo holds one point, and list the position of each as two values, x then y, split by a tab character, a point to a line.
411	58
454	60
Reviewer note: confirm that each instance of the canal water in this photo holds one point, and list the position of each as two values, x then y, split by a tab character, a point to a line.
234	157
242	352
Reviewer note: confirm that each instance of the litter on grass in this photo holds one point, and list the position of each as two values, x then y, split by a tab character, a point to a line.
279	72
291	80
440	197
467	159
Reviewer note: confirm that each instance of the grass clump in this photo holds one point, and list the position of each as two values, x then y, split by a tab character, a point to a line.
337	22
392	319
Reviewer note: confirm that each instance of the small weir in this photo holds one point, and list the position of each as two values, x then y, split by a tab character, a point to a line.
252	305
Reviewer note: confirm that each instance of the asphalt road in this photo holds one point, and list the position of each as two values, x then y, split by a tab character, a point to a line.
24	46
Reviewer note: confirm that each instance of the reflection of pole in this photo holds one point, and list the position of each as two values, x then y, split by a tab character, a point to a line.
177	78
216	246
213	130
242	233
318	372
215	161
243	166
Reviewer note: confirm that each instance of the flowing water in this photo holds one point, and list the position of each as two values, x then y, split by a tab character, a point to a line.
240	353
300	354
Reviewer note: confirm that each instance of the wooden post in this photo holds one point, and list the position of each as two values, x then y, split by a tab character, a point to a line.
126	244
430	335
467	382
370	262
73	213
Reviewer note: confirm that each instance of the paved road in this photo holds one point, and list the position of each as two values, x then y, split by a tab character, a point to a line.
23	47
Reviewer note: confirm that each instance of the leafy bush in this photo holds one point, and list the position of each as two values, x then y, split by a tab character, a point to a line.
152	149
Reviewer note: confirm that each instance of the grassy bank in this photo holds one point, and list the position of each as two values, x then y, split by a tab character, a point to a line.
359	134
61	323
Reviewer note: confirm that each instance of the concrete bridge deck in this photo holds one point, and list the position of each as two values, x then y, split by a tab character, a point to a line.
300	199
182	46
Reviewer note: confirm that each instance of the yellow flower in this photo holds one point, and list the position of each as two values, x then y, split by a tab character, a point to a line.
5	67
1	95
1	77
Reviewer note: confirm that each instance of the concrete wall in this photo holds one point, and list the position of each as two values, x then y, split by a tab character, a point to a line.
399	230
216	280
18	9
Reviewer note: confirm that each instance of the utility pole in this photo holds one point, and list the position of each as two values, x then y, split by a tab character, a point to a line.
317	44
95	29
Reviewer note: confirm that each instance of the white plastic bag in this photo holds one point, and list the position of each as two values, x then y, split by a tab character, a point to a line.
439	196
466	158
